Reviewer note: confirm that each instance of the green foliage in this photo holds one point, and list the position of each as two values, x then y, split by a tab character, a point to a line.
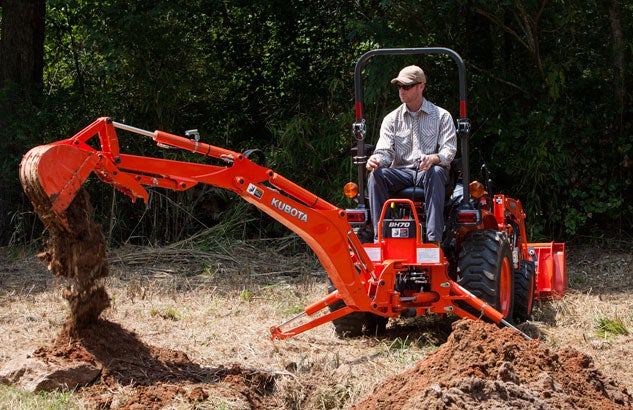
278	75
246	295
168	313
401	349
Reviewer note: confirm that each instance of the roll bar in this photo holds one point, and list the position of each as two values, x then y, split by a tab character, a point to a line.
462	124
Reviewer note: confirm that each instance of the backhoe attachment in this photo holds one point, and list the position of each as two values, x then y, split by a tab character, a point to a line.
53	174
365	276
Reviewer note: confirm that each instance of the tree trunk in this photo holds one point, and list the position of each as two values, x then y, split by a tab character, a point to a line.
21	81
22	42
618	59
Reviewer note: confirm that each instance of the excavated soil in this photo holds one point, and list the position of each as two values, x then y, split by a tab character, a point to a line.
482	366
79	254
161	376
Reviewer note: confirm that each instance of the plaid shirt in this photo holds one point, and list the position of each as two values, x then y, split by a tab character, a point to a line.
403	137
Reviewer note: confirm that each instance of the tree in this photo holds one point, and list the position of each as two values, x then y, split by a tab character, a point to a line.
21	79
22	42
618	48
547	91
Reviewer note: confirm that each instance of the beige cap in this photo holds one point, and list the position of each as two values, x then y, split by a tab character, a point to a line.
410	75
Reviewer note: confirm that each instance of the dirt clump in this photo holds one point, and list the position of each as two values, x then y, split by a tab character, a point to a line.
482	366
79	254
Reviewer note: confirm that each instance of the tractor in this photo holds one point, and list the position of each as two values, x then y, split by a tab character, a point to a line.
484	240
483	268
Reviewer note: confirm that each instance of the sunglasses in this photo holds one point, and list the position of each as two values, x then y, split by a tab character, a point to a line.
407	87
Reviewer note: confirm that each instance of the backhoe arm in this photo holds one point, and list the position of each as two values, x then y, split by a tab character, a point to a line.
52	175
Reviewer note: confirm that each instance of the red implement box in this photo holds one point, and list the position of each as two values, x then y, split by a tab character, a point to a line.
551	271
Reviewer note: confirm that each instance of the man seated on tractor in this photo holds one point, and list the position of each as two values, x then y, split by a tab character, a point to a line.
416	146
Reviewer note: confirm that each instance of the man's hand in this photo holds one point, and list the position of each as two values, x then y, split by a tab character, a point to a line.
373	162
427	160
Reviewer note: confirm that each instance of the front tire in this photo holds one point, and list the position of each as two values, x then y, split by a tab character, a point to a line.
485	269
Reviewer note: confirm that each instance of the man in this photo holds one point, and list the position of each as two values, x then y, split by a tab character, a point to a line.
416	134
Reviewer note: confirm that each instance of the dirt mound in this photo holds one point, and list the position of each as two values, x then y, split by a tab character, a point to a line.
482	366
158	376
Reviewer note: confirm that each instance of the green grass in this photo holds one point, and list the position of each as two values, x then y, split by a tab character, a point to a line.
246	295
15	398
403	350
606	327
168	314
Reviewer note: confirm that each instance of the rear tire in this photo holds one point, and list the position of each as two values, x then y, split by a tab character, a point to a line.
524	285
485	269
357	324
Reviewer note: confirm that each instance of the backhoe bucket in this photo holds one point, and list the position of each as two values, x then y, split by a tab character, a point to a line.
551	271
51	176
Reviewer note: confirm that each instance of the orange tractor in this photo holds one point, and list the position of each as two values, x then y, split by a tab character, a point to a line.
484	267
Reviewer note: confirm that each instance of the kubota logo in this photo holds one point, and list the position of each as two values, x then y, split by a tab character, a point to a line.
294	212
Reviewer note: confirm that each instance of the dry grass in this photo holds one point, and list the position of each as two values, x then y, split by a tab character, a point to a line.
601	288
217	306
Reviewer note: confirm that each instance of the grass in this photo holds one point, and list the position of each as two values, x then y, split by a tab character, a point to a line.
168	313
15	398
405	351
220	316
607	327
246	295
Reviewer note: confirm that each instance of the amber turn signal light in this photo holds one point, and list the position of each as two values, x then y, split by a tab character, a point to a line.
351	190
476	189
